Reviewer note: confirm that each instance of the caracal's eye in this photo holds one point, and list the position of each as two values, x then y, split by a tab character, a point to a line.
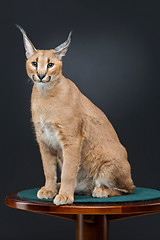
34	64
49	65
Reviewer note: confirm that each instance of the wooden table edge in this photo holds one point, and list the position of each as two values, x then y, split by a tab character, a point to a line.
152	206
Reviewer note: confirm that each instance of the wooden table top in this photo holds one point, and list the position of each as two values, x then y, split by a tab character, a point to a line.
141	207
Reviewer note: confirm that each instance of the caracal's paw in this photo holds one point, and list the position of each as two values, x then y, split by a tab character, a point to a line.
62	199
100	192
46	193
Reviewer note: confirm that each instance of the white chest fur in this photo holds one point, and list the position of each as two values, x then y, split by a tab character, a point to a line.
49	135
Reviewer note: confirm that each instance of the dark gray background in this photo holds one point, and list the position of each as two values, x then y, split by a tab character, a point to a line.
114	59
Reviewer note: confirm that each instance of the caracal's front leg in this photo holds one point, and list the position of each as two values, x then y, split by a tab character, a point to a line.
49	160
71	159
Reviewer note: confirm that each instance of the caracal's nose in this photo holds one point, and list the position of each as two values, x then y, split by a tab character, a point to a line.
41	76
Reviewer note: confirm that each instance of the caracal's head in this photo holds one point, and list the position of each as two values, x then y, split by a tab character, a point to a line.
44	67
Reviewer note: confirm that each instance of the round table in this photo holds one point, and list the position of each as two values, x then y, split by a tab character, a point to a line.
92	219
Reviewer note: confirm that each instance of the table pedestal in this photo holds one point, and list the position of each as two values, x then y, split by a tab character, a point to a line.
92	227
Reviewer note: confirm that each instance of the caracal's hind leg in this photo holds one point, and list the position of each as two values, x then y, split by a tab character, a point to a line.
103	192
113	180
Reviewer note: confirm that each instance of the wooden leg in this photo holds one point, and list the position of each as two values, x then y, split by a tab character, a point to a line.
92	227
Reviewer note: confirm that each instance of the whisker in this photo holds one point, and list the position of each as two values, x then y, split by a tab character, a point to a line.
29	80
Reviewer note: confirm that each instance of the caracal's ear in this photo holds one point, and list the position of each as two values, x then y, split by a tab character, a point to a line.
30	49
62	49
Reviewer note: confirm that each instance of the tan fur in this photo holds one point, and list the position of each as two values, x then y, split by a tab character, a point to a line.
87	146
